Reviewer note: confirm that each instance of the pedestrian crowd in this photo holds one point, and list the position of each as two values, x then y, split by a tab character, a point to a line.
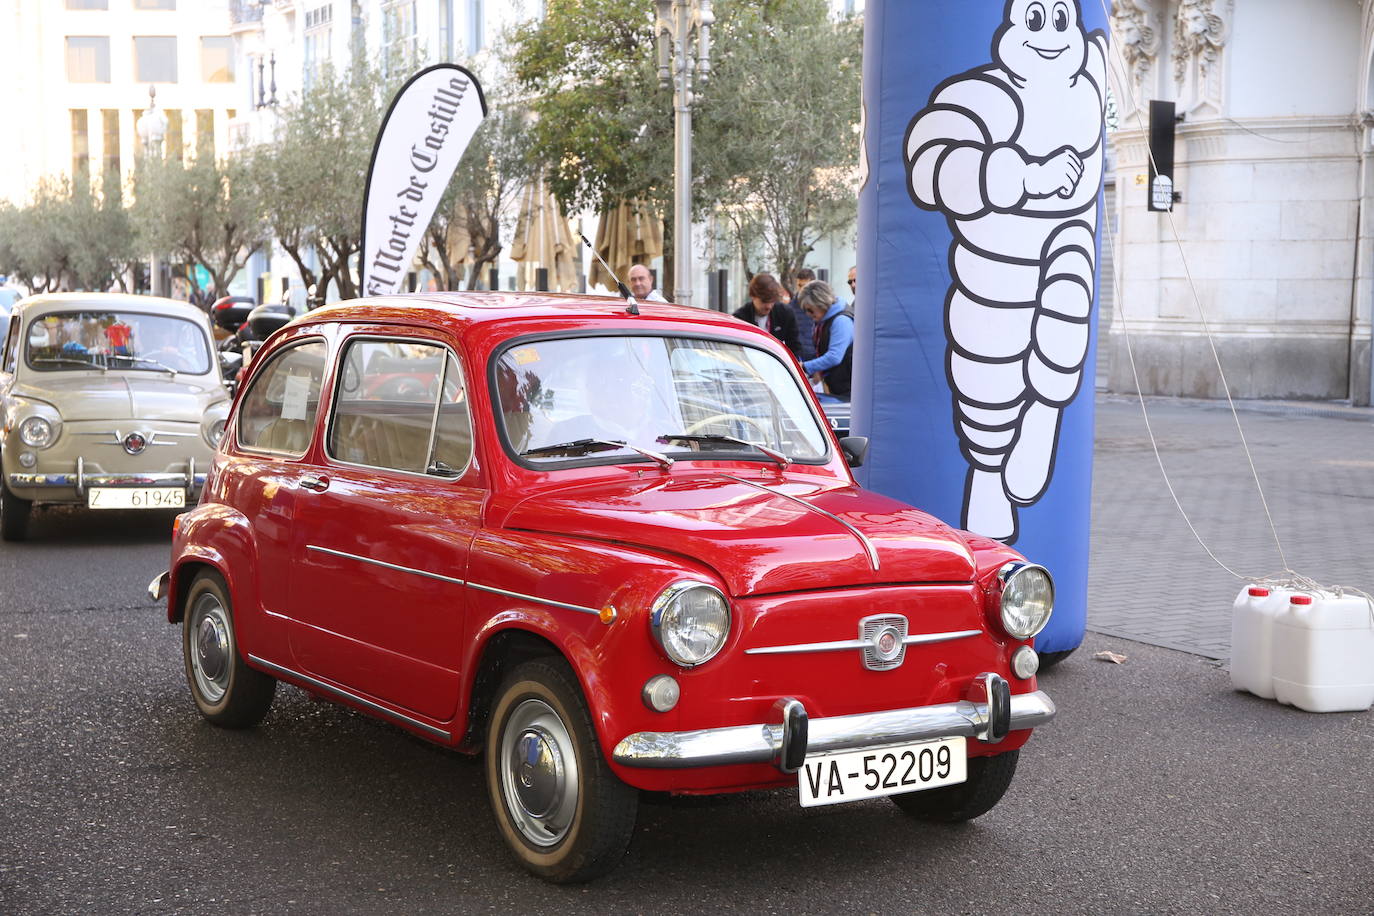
815	323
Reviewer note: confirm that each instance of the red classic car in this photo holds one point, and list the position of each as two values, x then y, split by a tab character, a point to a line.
612	548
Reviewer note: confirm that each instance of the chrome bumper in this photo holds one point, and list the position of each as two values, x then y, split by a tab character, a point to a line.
157	589
80	480
786	743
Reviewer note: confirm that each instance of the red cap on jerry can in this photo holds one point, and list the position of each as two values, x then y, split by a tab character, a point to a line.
1300	599
1258	591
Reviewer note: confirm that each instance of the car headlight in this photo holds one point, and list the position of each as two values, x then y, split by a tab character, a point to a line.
691	621
36	432
215	432
1027	598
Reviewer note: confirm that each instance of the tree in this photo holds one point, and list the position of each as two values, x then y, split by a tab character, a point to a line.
205	213
67	237
311	179
780	116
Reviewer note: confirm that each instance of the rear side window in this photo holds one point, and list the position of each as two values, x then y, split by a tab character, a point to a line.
279	408
401	405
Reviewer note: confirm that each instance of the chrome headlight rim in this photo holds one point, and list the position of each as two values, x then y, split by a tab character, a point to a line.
663	603
214	433
42	440
1006	575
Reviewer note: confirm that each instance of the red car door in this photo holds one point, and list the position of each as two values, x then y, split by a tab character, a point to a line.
384	526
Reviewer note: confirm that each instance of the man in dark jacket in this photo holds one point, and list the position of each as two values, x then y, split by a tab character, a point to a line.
762	310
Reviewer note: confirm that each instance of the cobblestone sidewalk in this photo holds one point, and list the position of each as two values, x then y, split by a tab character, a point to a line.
1149	579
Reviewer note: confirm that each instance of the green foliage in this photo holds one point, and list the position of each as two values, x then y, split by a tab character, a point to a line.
67	237
204	213
604	128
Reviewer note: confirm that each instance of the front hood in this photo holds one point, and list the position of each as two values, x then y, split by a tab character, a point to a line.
96	396
759	541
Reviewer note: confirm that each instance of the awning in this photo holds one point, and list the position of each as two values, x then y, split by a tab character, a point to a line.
627	235
543	239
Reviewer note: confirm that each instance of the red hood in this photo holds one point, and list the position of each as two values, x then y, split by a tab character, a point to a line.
758	541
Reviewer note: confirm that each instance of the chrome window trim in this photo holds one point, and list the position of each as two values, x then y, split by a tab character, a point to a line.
841	644
339	691
434	419
863	539
463	582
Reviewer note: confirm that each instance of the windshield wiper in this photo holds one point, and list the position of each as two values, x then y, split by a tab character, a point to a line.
776	455
587	446
144	359
85	363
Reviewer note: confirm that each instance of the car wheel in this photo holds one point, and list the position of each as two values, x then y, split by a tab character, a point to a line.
988	779
14	514
1050	659
564	814
226	690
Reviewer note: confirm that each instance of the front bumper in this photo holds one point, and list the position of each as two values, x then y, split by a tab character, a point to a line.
988	714
78	480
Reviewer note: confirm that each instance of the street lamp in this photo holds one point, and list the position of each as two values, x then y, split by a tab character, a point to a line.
679	24
152	130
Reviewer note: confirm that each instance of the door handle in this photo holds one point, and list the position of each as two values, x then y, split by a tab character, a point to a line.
318	483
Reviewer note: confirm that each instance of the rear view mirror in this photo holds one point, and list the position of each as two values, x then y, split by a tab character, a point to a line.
855	450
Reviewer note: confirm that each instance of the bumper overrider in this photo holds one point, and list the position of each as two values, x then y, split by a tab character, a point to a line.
988	713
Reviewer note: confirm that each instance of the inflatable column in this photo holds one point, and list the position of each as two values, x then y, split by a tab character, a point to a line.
977	283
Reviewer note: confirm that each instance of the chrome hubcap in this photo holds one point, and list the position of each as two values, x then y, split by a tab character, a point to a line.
538	773
211	648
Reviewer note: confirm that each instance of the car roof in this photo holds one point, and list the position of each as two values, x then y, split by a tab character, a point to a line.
157	305
458	310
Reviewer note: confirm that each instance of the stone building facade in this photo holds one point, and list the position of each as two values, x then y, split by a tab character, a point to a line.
1268	256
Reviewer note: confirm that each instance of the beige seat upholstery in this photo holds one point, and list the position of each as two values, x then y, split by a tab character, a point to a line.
282	435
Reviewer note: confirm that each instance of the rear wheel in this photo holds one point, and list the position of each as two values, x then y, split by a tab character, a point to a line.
1050	659
561	810
14	514
226	690
988	779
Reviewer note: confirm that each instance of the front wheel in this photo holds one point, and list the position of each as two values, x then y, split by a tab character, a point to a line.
14	514
988	779
561	810
226	690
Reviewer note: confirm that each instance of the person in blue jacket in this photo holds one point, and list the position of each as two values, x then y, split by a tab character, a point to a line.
834	336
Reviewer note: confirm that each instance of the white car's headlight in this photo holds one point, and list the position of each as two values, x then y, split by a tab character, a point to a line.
36	432
691	621
1027	598
215	432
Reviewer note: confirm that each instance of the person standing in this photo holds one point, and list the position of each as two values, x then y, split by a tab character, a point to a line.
764	294
806	328
642	285
834	320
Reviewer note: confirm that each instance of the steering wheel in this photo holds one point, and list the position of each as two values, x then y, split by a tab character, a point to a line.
704	422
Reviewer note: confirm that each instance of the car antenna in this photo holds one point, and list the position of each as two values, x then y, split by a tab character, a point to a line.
633	307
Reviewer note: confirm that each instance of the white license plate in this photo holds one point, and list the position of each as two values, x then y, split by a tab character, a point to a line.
828	779
136	498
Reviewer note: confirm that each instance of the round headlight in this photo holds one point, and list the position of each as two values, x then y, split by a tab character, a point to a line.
691	621
36	432
1027	598
215	433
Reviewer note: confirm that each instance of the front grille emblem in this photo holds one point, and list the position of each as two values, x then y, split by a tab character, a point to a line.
884	641
135	443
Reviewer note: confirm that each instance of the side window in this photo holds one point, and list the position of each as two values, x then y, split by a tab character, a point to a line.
400	405
11	346
279	408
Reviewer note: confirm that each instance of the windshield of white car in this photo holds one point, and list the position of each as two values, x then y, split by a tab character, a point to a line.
573	399
134	341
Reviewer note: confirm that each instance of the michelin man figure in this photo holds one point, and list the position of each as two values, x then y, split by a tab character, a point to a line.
1011	153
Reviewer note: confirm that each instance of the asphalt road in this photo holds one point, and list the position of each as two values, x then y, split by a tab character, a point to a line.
1158	790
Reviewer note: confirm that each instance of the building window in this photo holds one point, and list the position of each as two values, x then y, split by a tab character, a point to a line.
318	27
398	33
205	133
88	4
155	4
110	139
475	26
88	58
155	59
81	142
217	59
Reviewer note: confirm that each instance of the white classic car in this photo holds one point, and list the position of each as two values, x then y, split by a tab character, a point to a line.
108	401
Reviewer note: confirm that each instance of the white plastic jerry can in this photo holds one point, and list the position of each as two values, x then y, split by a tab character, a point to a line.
1324	653
1252	638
